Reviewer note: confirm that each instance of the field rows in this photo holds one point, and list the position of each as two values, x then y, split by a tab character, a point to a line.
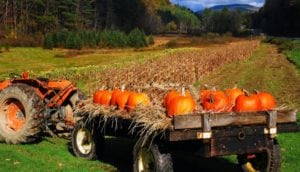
179	69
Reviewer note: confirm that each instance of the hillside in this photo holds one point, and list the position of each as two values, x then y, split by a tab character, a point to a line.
241	7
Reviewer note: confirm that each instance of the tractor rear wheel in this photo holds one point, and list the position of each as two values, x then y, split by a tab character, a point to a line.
21	114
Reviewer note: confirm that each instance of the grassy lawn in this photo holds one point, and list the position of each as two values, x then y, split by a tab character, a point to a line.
294	54
50	155
264	70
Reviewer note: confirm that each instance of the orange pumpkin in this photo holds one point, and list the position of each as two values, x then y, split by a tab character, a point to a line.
105	98
170	96
232	95
137	99
115	93
215	101
180	105
267	101
205	92
97	96
122	99
247	103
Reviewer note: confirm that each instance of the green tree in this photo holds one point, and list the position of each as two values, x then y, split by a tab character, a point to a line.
151	40
280	17
73	41
48	42
137	38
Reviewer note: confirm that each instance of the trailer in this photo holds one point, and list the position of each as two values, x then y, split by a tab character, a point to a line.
251	136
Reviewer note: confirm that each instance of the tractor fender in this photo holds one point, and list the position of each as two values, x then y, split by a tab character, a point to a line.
38	86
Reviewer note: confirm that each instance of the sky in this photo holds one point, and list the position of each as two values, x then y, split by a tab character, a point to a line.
197	5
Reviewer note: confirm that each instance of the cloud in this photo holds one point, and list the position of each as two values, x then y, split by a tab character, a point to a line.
200	4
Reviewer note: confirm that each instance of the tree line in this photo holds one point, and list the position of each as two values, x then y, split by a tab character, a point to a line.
279	18
27	22
92	39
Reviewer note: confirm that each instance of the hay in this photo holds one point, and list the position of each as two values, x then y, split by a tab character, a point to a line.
146	122
149	122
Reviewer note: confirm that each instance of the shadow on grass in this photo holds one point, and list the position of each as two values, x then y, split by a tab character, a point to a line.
118	153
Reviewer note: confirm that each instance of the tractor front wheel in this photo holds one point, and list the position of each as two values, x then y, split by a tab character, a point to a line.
21	114
87	141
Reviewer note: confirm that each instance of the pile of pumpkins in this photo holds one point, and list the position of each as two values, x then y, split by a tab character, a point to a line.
124	100
180	103
229	100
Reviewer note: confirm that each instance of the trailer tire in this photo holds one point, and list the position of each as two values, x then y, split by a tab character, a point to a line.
269	160
87	141
157	162
21	114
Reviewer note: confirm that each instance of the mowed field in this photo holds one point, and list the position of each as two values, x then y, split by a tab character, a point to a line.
252	65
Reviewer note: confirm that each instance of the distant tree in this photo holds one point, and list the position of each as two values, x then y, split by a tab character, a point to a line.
73	41
279	17
48	42
171	26
151	40
137	38
221	21
113	38
185	19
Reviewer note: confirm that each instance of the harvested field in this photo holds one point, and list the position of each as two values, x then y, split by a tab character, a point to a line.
180	69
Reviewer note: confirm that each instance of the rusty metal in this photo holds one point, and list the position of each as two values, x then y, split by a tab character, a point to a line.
55	94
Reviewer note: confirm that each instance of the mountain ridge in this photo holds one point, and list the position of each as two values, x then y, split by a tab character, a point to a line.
242	7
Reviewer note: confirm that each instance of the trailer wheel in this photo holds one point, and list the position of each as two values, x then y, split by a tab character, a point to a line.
21	114
87	142
151	159
268	160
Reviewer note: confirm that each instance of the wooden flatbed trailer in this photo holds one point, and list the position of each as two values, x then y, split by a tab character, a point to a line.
250	136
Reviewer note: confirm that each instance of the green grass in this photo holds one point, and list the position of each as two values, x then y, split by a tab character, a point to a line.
49	155
294	54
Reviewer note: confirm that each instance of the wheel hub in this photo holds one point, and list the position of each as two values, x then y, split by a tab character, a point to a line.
15	116
84	141
146	161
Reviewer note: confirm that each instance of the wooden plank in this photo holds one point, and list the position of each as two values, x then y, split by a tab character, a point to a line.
182	135
188	121
286	116
226	119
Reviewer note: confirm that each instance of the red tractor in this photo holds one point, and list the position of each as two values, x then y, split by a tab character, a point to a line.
29	107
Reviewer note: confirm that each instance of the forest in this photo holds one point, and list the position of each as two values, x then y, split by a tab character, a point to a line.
28	22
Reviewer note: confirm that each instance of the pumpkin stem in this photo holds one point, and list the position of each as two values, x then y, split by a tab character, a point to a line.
246	92
123	88
183	91
235	85
211	98
206	87
214	88
256	91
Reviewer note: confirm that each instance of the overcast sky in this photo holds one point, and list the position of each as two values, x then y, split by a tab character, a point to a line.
200	4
